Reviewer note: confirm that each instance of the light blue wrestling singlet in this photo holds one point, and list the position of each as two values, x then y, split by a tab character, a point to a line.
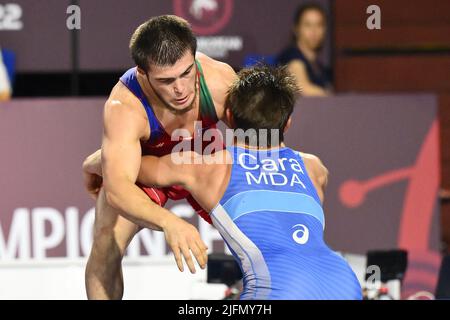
272	220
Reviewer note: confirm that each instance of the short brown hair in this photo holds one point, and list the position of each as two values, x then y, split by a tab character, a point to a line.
262	97
162	40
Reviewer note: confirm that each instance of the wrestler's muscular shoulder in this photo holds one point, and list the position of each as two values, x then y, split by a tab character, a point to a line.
122	101
218	76
317	172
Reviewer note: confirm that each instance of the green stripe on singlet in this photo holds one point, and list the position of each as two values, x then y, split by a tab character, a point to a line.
207	108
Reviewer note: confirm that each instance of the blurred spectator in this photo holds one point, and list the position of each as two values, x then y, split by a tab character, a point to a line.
310	24
5	87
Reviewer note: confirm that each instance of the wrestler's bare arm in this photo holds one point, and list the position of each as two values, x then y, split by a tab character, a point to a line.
204	176
168	170
121	156
317	172
121	160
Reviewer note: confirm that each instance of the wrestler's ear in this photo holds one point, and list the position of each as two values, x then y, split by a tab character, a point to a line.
229	117
141	71
288	124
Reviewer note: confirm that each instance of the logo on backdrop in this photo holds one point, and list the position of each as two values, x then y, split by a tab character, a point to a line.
207	17
418	207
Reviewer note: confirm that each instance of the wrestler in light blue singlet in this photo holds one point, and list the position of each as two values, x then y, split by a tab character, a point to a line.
272	220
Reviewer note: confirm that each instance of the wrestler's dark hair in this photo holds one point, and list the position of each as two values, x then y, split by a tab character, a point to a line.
262	97
162	41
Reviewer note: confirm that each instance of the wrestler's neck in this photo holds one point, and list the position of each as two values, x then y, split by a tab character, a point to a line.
251	147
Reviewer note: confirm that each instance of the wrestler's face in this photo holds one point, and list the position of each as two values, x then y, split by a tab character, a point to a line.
175	85
311	29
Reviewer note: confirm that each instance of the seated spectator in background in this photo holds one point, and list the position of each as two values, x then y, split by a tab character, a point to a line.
5	88
301	57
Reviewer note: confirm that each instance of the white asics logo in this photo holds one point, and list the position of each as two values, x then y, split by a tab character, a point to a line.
304	234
